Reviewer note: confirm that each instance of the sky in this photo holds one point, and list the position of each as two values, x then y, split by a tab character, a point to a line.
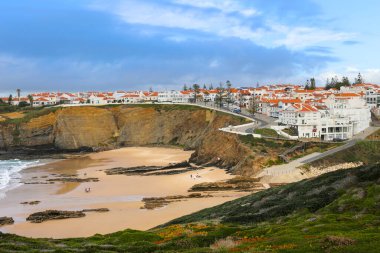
86	45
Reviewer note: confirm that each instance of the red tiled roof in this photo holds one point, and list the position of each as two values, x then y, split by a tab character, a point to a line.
305	108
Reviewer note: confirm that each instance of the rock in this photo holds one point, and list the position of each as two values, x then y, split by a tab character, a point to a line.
36	202
54	215
139	170
6	221
312	219
98	210
236	184
158	202
183	164
74	180
172	169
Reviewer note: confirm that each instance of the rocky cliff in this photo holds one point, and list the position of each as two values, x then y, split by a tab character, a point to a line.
101	128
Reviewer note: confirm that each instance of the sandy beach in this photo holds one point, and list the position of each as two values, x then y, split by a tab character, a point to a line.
120	193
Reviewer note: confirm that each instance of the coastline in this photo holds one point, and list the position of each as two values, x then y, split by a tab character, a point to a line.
120	193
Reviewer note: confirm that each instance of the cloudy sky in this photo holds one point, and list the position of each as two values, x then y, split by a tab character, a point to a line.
71	45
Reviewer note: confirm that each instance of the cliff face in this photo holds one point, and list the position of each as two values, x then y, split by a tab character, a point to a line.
111	127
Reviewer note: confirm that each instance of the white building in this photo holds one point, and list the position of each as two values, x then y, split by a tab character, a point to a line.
342	117
174	96
352	107
373	98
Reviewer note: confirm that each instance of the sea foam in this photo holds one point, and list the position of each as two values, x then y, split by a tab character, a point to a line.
10	173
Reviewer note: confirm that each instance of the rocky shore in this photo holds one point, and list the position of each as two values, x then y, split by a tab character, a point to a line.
6	221
154	203
234	184
173	169
40	217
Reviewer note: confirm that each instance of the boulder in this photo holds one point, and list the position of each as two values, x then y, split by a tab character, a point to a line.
54	215
6	221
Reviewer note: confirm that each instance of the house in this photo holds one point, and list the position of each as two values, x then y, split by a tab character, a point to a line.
150	96
131	99
97	99
372	97
41	101
352	107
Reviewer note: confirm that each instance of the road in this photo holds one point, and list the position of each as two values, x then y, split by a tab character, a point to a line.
263	121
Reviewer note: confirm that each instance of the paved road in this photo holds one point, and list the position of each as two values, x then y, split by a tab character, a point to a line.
262	120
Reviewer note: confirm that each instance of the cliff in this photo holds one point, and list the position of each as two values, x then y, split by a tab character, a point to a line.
102	128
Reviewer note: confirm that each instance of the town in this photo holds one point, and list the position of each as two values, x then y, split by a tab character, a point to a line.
330	113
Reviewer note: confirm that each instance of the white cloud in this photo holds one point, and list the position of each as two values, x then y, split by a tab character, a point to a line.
214	63
302	37
219	23
143	13
227	6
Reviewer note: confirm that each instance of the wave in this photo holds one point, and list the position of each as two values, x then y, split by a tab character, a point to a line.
10	176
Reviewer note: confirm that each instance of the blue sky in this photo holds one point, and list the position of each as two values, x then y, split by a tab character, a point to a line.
71	45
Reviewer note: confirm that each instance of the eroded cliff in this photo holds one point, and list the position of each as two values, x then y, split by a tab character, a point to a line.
100	128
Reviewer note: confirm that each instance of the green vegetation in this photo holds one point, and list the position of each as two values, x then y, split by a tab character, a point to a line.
291	131
367	152
336	212
313	147
375	136
158	107
307	195
31	113
266	132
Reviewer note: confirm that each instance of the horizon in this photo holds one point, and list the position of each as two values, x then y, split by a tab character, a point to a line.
96	45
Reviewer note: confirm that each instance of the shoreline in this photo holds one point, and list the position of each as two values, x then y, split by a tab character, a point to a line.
120	193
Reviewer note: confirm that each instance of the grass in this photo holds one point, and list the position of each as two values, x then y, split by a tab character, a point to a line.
367	152
290	131
337	212
314	147
375	136
31	113
158	107
266	132
310	195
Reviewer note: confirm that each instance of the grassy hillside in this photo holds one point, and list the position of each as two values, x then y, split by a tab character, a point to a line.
375	136
367	152
337	212
308	195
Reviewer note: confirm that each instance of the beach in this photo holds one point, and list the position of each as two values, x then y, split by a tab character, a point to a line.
121	194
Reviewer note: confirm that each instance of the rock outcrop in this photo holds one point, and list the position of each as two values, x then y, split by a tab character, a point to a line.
158	202
173	169
40	217
6	221
54	215
235	184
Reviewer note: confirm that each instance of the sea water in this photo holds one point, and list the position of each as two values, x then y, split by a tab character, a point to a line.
10	177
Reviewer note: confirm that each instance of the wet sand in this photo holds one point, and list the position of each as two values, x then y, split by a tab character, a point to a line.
121	194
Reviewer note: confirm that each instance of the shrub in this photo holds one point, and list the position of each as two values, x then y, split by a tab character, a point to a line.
225	243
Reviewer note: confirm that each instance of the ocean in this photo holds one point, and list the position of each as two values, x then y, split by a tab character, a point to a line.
10	173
